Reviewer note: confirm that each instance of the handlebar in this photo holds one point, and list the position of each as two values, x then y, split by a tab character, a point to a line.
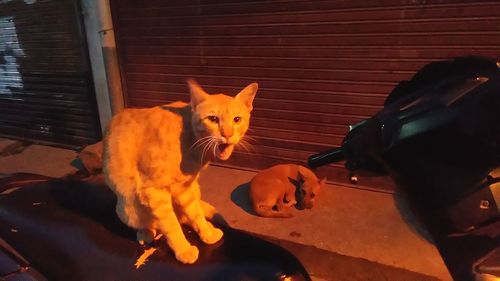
326	157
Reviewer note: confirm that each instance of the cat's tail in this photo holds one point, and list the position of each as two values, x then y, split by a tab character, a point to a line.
272	211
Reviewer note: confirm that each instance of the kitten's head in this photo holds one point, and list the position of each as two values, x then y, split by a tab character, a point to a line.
308	188
220	121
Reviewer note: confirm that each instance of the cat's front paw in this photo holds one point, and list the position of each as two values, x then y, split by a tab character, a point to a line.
290	203
213	236
188	256
145	236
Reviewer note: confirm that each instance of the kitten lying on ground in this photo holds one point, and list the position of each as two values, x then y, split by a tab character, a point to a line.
153	157
276	190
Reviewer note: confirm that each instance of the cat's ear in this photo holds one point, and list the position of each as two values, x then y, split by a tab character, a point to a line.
300	178
198	95
247	95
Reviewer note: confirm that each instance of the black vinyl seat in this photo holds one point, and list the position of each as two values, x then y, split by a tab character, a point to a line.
68	230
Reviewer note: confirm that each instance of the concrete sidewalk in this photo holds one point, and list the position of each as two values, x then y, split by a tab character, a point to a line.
370	225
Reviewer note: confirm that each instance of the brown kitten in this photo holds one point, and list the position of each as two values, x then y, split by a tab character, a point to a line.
153	157
275	190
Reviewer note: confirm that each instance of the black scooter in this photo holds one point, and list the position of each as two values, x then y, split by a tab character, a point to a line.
438	137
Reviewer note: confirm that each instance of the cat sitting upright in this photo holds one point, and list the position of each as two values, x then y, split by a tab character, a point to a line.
153	157
274	191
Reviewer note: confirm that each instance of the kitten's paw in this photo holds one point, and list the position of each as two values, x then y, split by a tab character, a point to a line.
290	204
188	256
213	236
145	236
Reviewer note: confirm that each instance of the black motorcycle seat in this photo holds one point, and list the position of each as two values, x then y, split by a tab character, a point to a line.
68	230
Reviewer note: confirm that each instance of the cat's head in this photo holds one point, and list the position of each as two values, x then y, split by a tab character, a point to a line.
308	189
220	121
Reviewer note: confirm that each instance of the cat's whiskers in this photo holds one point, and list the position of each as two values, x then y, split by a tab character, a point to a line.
200	142
216	149
209	145
243	144
250	141
204	143
247	146
205	147
248	138
203	153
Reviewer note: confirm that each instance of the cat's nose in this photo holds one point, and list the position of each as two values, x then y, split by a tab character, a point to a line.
226	134
225	139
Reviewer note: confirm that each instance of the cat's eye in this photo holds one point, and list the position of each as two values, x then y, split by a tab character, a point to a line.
213	119
237	119
312	195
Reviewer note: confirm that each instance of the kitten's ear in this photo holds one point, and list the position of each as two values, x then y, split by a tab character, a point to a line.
300	178
293	181
198	95
247	95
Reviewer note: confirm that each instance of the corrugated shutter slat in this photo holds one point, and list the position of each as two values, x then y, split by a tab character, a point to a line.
321	65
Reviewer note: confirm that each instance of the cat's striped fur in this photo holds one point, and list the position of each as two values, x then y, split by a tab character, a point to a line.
153	157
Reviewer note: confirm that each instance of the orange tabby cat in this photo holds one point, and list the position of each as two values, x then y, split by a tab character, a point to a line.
153	157
275	190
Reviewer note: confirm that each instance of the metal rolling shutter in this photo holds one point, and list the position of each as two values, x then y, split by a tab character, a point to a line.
321	65
46	92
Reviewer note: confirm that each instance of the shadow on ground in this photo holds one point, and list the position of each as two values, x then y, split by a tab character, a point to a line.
239	196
